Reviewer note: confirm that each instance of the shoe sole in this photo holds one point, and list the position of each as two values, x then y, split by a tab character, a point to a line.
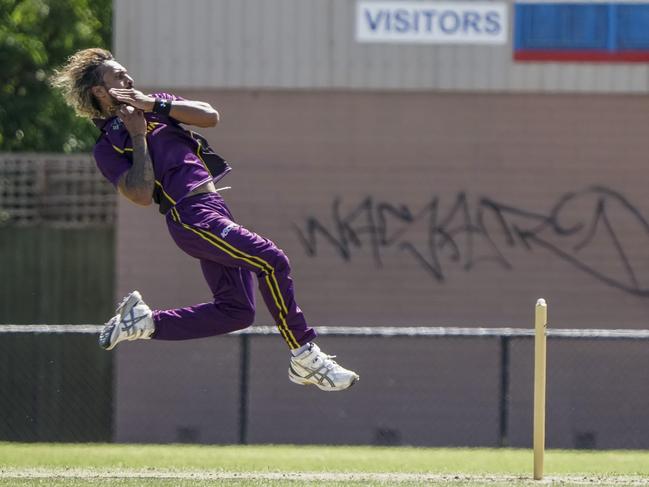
124	308
300	381
127	303
107	332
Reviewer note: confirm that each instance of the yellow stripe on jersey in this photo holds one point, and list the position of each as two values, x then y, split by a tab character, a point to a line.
125	149
164	192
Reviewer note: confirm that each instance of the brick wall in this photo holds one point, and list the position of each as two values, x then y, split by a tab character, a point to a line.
488	202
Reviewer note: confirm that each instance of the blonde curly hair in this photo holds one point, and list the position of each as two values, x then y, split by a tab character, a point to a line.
77	76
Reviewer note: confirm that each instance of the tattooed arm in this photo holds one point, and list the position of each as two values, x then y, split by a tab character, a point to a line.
138	182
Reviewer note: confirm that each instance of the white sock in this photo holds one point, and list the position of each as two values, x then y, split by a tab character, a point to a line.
303	348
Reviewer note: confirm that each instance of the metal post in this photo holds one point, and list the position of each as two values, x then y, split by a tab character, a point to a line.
504	389
244	369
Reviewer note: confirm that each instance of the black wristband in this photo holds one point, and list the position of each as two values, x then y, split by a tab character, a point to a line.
162	107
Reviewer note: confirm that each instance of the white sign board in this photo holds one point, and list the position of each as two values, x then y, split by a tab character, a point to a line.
431	22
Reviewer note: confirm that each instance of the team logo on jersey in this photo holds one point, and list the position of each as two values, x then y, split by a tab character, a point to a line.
226	230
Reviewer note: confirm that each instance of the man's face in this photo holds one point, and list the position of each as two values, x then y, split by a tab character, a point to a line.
114	76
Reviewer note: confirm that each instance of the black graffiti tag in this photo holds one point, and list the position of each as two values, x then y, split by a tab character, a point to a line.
469	232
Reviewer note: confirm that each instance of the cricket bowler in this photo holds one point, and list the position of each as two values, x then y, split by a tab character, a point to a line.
146	152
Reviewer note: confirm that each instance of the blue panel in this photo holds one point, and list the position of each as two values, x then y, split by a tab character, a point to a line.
518	27
542	26
562	26
582	32
633	26
585	27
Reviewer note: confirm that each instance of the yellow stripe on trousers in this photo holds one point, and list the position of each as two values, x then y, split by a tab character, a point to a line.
258	262
269	276
253	260
269	272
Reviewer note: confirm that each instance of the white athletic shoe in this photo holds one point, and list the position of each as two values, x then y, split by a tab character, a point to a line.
314	367
133	321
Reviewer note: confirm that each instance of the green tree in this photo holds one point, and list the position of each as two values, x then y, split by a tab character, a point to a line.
37	36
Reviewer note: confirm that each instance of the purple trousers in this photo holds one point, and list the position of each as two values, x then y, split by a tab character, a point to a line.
229	254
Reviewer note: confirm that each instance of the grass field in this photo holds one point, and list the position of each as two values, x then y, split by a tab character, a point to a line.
186	465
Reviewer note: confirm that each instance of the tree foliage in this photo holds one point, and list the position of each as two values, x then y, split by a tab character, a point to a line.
37	36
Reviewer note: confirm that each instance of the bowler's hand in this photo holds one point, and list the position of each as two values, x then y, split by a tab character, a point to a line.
133	97
133	119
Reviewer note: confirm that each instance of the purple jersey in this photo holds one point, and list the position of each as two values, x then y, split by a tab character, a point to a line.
182	159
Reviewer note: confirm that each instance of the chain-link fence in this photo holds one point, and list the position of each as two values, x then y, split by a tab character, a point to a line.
419	386
57	264
55	387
